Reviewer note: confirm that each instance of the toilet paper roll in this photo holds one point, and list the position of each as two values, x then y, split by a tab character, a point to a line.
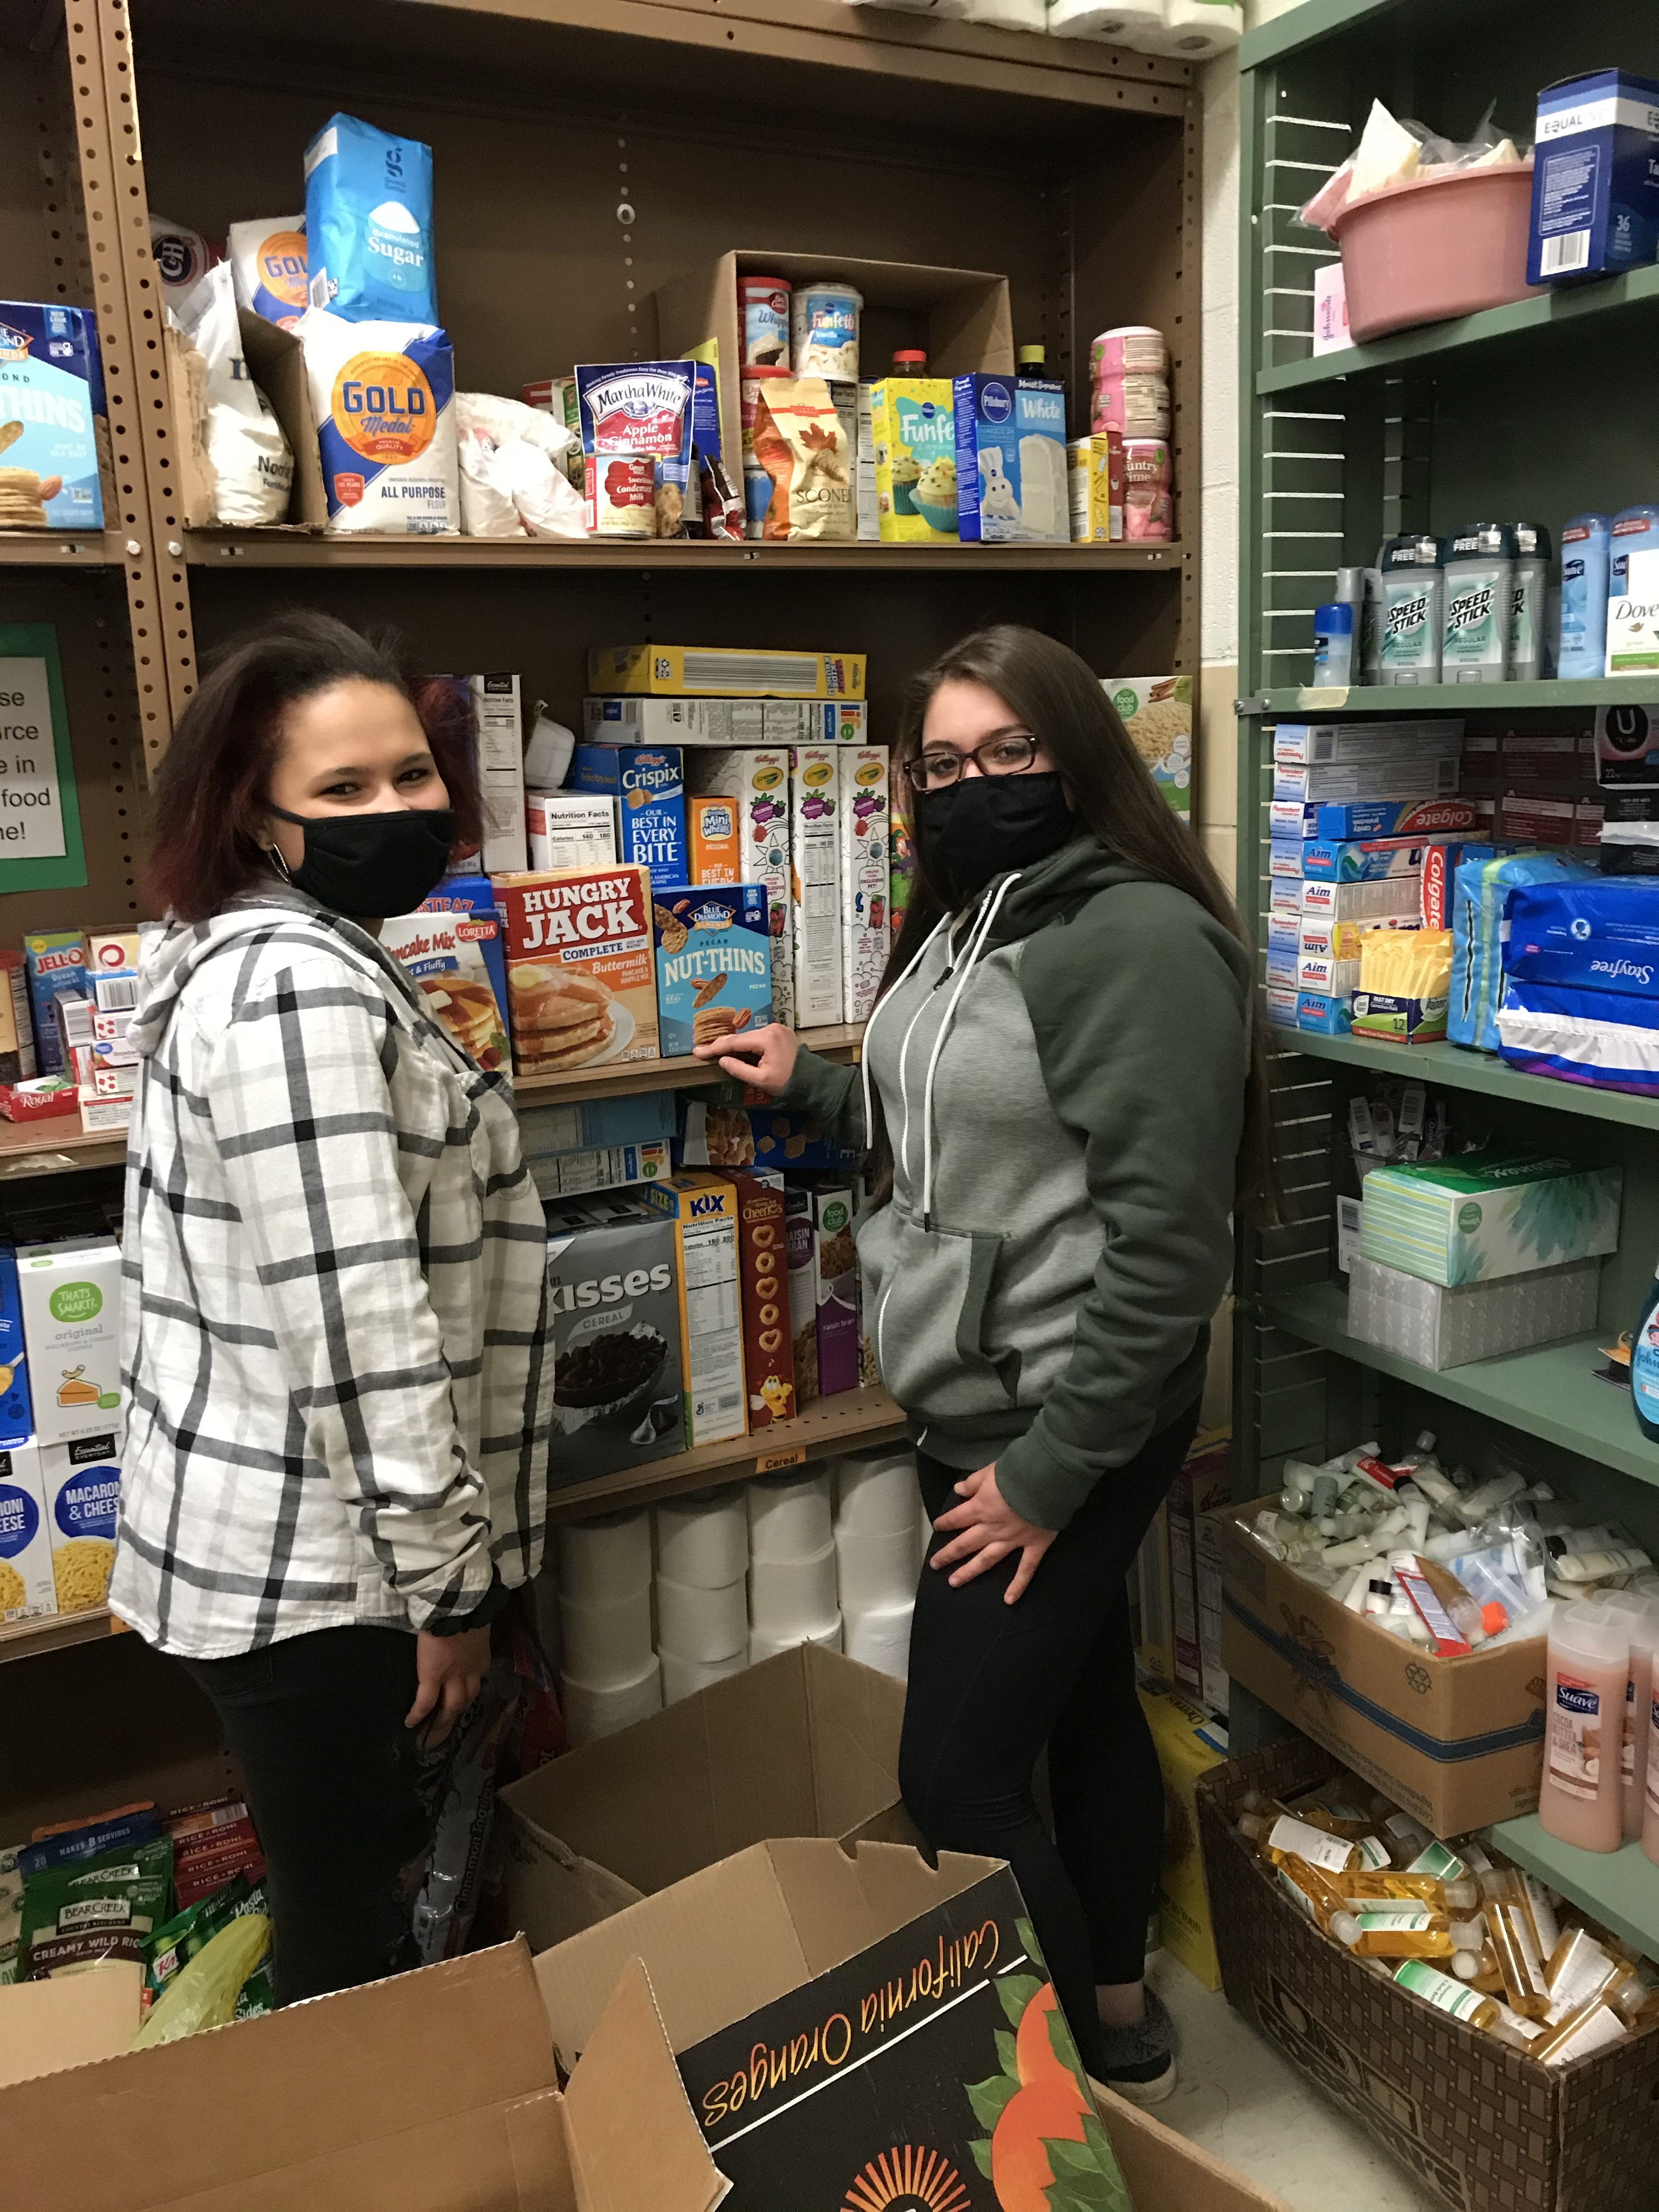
789	1594
1196	30
605	1642
592	1711
875	1495
789	1516
877	1570
1013	14
701	1624
703	1540
681	1677
764	1646
1122	22
607	1558
880	1637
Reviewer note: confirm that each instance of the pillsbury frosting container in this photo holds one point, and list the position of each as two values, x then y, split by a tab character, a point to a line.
824	328
1480	572
764	310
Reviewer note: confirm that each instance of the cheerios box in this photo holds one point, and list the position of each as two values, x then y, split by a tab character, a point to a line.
80	1488
581	986
714	963
71	1296
25	1583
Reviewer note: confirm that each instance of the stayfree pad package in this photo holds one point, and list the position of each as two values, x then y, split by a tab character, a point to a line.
1602	935
49	392
1480	897
369	224
1609	1039
1487	1214
384	397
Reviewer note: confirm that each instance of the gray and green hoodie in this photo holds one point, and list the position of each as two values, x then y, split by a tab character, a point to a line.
1061	1072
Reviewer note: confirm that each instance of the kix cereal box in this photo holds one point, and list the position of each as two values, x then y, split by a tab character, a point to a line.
914	418
645	784
768	1362
758	779
703	1209
711	832
714	963
581	985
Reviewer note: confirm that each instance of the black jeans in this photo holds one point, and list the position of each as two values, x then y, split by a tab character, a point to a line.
330	1773
992	1683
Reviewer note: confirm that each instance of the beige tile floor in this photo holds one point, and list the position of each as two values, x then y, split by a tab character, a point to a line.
1241	2101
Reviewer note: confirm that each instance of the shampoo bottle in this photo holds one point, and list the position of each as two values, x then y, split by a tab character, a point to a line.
1643	1616
1645	1366
1582	1797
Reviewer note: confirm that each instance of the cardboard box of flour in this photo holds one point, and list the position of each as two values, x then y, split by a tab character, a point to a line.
581	985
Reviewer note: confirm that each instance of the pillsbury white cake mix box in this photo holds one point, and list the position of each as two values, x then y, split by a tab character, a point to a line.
1011	482
51	388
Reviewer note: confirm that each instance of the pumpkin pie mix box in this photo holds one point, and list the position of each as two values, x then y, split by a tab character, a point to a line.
580	981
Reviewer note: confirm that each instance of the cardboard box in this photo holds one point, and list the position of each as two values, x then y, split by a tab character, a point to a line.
758	779
492	702
275	359
638	1117
1157	711
632	1814
1595	178
475	897
865	814
703	1208
71	1295
717	671
1190	1743
769	1364
444	956
80	1489
727	722
1095	482
1155	1644
836	1291
646	785
50	386
815	793
803	1290
575	938
17	1410
714	963
759	1137
17	1060
917	494
569	829
1481	2127
1459	1743
1203	1484
69	2019
614	1319
27	1588
606	1167
435	2091
56	961
714	847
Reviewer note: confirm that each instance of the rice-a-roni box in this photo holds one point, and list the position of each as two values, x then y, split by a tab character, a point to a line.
1157	711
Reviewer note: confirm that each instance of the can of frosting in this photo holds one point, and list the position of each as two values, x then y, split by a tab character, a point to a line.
763	312
824	326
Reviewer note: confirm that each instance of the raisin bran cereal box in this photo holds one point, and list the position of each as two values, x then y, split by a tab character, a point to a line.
714	963
763	1283
580	983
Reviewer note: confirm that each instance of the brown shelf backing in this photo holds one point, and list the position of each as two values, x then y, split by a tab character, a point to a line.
282	549
625	1078
844	1423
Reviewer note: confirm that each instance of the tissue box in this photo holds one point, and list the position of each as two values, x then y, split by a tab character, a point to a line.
1487	1215
1442	1325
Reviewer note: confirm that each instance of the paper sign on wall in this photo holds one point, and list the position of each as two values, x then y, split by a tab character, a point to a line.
40	846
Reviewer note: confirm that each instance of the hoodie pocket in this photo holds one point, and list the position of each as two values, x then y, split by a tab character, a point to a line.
934	1286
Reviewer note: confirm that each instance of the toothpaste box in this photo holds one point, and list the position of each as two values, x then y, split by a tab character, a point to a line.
1308	744
1392	896
1434	776
570	829
725	721
1284	896
1366	860
1372	818
1281	1005
1595	177
815	792
1325	1013
1318	971
28	1587
57	960
1281	970
50	388
1285	934
714	963
865	836
758	779
646	785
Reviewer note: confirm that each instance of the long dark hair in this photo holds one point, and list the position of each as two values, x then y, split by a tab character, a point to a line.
1057	697
212	785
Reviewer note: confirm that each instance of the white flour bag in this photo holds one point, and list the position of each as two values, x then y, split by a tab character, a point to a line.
268	262
250	458
510	486
383	397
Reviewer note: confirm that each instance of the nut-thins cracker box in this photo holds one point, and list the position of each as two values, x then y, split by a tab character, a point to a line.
50	388
714	963
581	986
703	1209
763	1271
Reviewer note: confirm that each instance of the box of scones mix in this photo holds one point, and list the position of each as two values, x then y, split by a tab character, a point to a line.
581	985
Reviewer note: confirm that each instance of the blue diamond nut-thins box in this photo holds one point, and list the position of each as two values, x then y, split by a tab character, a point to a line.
714	963
49	391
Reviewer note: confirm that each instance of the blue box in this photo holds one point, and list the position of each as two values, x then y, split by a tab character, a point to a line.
1011	482
476	895
1366	861
648	785
591	1125
16	1409
714	962
1595	177
51	382
1326	1016
1394	817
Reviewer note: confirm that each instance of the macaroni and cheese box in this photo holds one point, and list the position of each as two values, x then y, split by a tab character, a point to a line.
758	779
80	1487
26	1587
716	672
834	1291
443	956
614	1331
580	981
56	961
914	419
646	785
815	883
50	389
864	816
16	1412
768	1362
71	1295
703	1209
714	963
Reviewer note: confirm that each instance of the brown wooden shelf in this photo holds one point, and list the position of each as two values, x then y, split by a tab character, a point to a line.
25	1639
59	548
294	549
622	1078
852	1418
57	1146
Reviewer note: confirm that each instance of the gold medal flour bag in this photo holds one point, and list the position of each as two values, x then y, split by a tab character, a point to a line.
800	440
383	395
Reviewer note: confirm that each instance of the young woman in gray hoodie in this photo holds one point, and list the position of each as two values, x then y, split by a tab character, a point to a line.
1064	1095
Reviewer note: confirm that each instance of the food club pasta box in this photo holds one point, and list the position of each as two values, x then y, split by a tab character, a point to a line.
81	1485
758	778
865	840
51	388
71	1296
580	981
703	1208
646	785
714	963
768	1362
26	1587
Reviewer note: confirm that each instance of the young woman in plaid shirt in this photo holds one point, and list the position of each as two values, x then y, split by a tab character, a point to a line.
336	1271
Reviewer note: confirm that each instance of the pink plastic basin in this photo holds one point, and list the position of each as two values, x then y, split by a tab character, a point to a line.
1419	252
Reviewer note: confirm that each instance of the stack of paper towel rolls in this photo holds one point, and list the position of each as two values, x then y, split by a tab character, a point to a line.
878	1547
703	1605
791	1564
609	1676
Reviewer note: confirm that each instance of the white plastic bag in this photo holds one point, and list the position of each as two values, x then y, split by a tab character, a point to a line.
510	487
252	464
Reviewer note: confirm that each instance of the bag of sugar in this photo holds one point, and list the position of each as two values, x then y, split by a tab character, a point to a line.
252	464
268	263
368	223
383	397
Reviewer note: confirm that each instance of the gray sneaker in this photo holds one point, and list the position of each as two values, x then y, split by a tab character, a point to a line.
1141	2061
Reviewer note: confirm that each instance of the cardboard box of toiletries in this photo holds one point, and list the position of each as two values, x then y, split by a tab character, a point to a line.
614	1328
636	1811
1458	1743
1190	1743
758	779
703	1209
1482	2128
729	722
71	1296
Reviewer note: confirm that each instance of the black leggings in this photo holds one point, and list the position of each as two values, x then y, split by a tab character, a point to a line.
991	1683
330	1773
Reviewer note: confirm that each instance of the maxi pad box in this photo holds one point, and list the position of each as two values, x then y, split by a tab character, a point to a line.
71	1295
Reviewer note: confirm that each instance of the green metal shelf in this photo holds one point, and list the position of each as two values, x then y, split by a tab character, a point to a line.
1551	1392
1306	26
1565	314
1456	1068
1461	698
1619	1888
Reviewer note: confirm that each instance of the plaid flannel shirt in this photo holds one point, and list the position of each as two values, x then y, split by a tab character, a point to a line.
334	1298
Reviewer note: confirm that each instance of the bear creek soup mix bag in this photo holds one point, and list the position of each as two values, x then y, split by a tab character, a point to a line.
77	1916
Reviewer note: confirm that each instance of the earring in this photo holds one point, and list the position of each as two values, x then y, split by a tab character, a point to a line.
279	863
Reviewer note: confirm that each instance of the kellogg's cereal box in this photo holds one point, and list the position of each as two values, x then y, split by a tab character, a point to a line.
646	785
580	981
714	963
865	815
711	831
758	779
815	881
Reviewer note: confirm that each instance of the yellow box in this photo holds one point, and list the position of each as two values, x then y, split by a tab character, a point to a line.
1097	515
1189	1743
723	672
914	419
703	1208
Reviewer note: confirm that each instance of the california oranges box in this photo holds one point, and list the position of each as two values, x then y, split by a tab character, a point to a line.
581	986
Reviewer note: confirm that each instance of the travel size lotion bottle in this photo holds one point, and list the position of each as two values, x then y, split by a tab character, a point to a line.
1582	1796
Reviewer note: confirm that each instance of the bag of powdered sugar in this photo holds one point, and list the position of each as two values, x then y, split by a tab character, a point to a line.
383	397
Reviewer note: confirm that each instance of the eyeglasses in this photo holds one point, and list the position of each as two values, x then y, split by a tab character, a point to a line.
936	771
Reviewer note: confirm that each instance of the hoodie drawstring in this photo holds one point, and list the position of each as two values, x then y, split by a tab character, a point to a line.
969	961
887	997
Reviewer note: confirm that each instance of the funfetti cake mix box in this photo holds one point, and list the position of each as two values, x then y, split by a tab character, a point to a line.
50	388
581	986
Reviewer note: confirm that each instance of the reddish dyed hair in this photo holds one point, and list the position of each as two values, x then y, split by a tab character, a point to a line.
214	782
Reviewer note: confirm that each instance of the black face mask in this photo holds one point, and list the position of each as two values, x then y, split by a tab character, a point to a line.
373	865
981	826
